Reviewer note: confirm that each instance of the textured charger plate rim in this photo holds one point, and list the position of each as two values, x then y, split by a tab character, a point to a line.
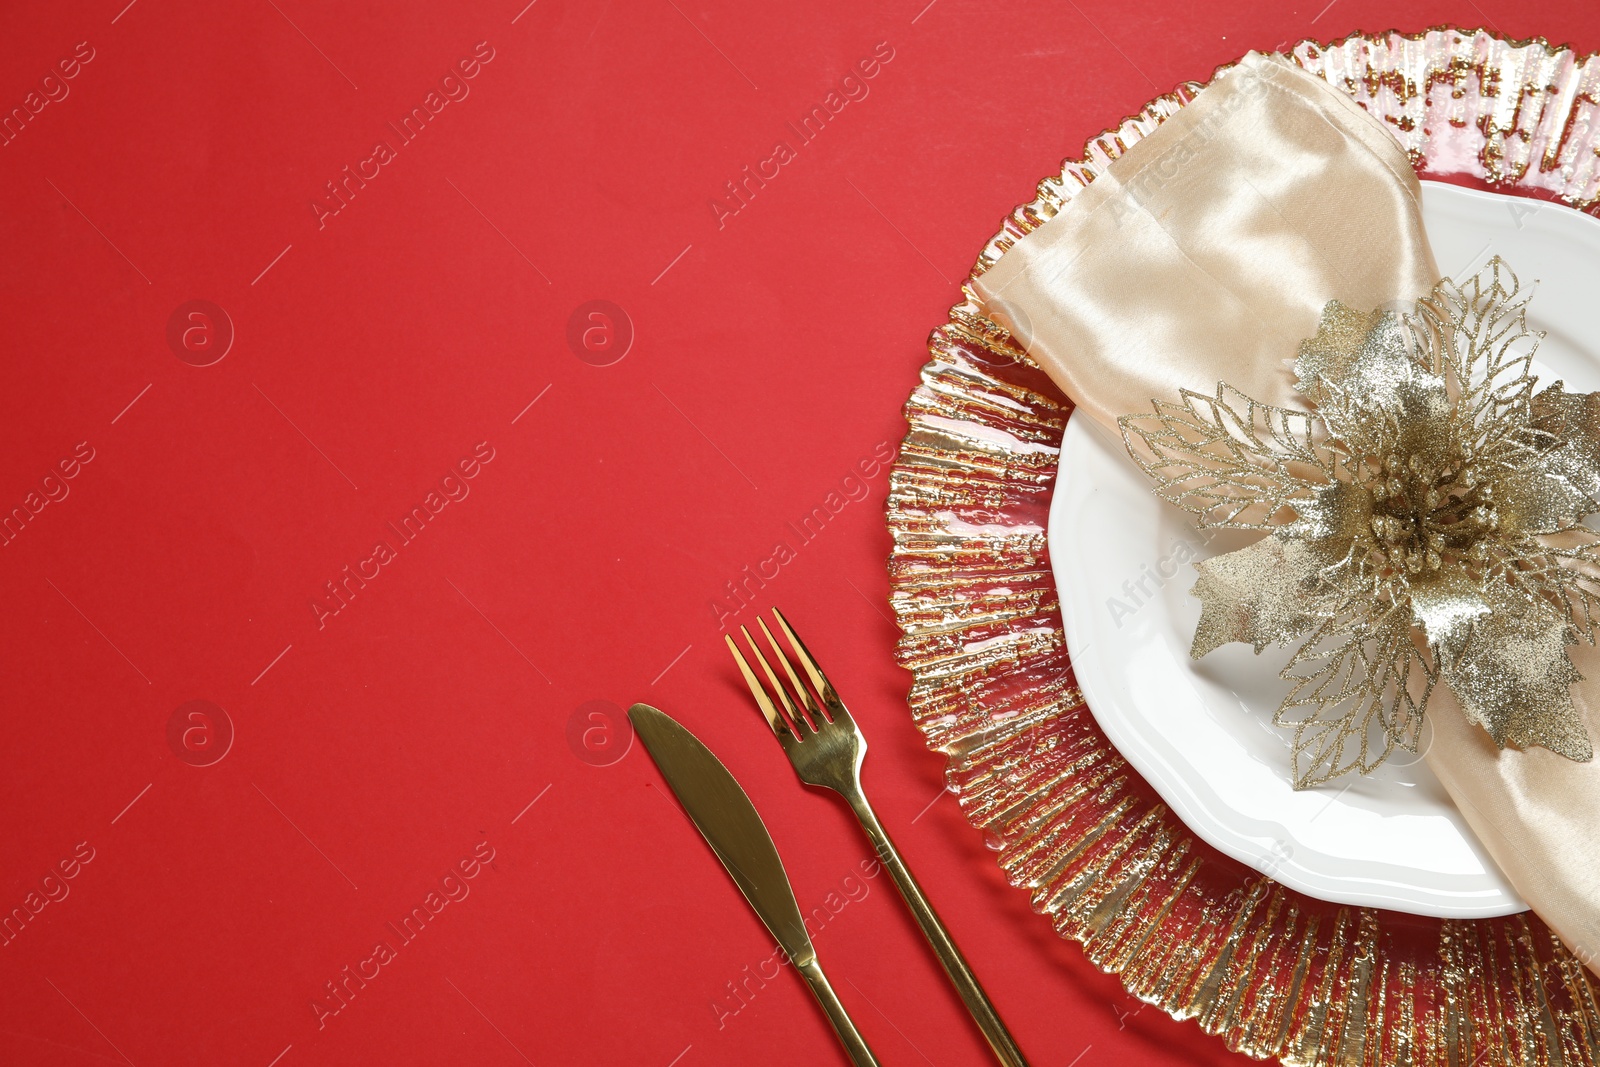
1273	972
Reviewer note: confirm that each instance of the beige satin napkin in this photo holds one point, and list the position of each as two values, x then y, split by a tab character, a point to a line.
1206	254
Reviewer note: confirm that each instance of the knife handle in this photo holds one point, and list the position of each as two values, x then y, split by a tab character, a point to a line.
854	1044
1001	1043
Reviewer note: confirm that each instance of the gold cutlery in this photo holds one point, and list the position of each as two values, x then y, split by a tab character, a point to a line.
826	748
723	814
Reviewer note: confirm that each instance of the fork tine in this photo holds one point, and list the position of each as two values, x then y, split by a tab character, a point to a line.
796	719
802	690
825	689
775	719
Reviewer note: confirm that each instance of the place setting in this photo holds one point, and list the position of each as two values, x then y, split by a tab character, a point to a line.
1247	566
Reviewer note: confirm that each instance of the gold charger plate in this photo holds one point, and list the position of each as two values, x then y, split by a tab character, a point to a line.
1271	971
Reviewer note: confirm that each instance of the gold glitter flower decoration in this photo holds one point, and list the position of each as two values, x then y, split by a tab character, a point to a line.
1425	525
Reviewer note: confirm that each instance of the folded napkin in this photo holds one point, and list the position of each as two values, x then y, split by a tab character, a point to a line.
1206	254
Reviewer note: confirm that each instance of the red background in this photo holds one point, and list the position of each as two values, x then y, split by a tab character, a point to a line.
374	349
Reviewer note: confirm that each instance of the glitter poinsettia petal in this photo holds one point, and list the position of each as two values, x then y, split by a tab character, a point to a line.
1424	524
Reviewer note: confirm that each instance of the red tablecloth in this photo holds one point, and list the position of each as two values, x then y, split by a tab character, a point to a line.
308	417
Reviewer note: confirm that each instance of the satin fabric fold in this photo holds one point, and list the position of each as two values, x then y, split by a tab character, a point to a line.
1206	254
1537	813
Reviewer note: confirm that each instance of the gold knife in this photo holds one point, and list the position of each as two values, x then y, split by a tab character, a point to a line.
723	814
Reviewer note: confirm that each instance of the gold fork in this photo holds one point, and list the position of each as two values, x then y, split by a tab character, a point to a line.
826	749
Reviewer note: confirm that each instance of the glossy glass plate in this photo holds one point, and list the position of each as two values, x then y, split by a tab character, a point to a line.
1273	971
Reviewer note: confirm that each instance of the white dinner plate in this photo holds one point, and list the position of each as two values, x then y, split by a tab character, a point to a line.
1201	732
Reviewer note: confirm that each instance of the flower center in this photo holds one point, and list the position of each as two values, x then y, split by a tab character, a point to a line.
1424	517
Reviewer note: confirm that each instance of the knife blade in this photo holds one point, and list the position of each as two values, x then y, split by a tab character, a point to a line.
722	812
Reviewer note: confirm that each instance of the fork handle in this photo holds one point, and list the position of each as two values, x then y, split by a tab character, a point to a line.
955	965
854	1044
